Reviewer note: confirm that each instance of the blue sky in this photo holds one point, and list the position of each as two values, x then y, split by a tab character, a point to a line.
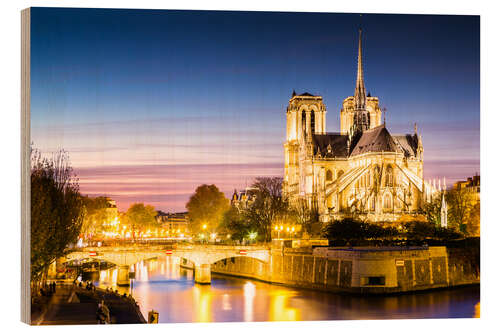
151	104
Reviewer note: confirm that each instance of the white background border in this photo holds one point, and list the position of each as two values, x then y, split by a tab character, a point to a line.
490	158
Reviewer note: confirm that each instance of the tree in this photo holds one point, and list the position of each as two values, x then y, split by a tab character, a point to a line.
268	207
235	225
424	231
460	203
206	207
351	231
474	221
308	218
140	218
57	210
432	211
97	215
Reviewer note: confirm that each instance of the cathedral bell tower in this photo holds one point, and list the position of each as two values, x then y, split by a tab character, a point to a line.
305	117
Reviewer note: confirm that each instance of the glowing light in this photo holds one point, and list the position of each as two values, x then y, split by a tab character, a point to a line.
213	235
248	295
204	226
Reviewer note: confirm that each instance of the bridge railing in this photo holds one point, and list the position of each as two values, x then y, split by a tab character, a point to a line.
195	247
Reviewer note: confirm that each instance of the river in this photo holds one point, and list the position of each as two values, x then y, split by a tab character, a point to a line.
160	284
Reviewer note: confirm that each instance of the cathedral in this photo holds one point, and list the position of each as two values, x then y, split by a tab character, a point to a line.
363	170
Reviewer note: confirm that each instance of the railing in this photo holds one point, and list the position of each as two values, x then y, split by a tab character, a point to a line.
193	247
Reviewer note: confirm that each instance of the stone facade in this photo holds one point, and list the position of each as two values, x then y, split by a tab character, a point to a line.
359	270
363	169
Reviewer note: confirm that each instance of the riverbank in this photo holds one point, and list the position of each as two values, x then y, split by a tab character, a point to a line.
73	305
368	270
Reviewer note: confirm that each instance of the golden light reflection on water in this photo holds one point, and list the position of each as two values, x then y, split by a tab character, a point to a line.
202	298
279	309
249	295
477	310
165	287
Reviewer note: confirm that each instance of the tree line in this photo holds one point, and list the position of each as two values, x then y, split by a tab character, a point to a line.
210	212
60	214
464	211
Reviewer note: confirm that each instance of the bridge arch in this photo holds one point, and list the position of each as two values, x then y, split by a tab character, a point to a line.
201	256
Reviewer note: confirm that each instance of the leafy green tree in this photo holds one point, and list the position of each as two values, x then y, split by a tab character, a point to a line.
206	207
235	225
424	231
57	210
268	207
140	217
351	231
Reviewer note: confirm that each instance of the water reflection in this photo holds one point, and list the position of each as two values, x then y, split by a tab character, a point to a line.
279	309
162	285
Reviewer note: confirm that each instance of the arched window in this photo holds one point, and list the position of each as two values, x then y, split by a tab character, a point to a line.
340	173
313	122
329	176
397	203
304	121
376	175
389	174
372	203
387	201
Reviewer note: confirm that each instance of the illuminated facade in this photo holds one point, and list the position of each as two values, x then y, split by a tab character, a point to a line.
173	224
362	170
244	198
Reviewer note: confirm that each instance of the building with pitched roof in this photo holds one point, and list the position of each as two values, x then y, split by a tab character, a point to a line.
362	170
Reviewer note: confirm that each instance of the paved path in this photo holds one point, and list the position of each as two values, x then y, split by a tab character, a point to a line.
62	312
76	306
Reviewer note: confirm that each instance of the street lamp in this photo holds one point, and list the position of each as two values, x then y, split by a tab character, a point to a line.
204	227
252	236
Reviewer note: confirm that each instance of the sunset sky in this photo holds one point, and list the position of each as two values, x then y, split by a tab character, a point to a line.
151	104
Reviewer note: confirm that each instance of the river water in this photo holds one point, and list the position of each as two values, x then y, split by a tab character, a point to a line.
162	285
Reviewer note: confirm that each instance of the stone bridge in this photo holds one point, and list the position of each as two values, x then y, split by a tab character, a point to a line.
202	256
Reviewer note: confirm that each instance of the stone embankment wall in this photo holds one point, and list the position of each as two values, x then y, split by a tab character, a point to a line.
359	270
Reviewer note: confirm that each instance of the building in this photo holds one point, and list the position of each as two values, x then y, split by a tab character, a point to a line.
111	209
243	198
472	185
362	170
173	224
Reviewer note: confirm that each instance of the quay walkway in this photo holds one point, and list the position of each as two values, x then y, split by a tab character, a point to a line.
73	305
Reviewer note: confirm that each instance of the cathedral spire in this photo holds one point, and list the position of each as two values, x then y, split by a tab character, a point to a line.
360	92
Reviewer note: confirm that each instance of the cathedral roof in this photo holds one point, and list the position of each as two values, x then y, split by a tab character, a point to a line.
408	144
376	139
330	144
